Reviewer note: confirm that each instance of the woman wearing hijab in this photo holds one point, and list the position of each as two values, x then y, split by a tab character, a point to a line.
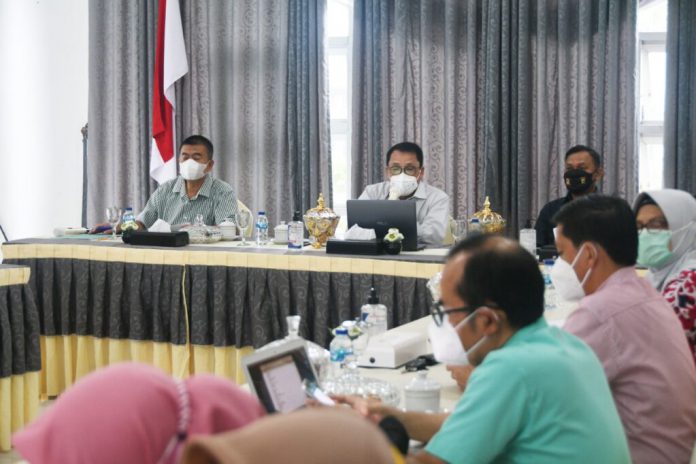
313	435
133	413
666	221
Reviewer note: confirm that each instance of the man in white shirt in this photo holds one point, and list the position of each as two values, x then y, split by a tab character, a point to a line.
404	173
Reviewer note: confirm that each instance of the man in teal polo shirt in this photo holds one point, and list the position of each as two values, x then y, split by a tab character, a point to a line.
538	394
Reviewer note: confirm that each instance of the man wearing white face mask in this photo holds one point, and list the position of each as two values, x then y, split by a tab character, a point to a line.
629	326
193	192
537	395
405	172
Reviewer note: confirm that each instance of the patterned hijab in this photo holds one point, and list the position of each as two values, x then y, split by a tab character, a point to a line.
133	413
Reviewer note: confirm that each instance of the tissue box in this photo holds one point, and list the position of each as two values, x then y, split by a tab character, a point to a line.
163	239
354	247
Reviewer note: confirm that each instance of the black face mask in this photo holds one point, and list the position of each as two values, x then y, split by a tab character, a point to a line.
578	180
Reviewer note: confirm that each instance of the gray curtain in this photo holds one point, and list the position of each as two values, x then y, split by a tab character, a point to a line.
680	97
121	61
309	138
256	87
495	92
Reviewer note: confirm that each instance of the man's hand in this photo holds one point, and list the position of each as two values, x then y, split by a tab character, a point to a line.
371	408
460	374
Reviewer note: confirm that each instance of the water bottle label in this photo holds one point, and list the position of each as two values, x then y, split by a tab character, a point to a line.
338	355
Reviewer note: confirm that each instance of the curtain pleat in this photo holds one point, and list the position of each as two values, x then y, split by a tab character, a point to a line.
680	97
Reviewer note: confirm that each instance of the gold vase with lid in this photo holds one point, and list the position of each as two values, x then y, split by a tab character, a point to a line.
491	222
321	223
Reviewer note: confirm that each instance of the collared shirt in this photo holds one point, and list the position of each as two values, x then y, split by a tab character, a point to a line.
646	358
541	398
170	202
432	209
544	224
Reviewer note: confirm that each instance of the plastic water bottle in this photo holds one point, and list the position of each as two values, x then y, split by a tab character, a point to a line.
549	290
340	347
296	232
128	220
261	229
474	226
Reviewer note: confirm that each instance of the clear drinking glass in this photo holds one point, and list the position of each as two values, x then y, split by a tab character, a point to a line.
113	216
359	345
459	229
243	218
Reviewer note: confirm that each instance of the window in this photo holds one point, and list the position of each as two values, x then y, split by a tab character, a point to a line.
339	27
652	36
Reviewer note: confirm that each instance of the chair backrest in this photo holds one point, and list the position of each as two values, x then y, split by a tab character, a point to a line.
250	228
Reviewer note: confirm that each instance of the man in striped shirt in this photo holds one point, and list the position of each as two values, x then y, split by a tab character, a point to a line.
194	191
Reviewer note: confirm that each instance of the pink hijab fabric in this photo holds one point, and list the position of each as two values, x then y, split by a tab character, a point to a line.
129	413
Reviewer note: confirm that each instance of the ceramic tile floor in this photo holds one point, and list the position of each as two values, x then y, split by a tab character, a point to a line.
12	457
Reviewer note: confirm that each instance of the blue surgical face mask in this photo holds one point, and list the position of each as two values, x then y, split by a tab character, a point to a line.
653	248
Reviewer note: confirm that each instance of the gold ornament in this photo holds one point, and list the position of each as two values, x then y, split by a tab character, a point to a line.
321	223
491	222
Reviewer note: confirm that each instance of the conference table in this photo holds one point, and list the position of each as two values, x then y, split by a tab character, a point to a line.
20	359
199	308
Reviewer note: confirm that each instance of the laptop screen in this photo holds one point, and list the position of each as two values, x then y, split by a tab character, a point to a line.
276	375
380	215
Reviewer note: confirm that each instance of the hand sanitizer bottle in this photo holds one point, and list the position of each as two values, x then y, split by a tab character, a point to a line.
375	314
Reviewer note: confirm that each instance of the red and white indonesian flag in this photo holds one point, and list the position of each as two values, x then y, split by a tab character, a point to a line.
170	65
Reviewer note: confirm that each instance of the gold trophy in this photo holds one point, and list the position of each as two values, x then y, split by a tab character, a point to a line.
321	223
491	222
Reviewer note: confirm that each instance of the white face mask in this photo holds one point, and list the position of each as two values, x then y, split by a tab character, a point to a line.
446	344
402	185
566	281
192	170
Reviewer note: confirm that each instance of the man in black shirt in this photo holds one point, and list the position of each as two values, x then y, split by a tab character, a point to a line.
583	171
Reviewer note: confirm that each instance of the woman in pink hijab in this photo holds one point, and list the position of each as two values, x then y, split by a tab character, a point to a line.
133	413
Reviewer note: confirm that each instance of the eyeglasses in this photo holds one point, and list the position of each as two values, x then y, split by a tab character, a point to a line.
409	170
438	312
653	226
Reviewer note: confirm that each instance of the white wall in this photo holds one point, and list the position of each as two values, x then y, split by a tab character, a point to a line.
43	105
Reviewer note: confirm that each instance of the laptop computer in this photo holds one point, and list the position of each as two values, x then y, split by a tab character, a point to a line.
383	214
276	375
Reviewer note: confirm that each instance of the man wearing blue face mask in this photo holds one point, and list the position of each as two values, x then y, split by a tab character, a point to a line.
405	173
537	395
195	191
630	327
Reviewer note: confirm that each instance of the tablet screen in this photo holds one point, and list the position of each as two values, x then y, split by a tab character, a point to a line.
276	376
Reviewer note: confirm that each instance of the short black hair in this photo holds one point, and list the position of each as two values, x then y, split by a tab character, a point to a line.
499	272
642	200
407	147
605	220
199	140
596	157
